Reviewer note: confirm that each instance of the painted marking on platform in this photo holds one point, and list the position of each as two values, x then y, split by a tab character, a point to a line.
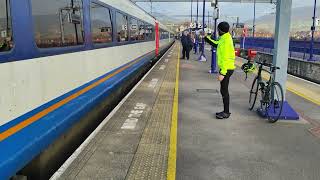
166	60
187	66
162	67
133	118
172	160
307	97
153	83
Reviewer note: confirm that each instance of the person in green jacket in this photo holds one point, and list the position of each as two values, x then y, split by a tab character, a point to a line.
226	59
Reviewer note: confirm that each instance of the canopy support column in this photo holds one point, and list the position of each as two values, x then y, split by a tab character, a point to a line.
281	43
202	55
280	54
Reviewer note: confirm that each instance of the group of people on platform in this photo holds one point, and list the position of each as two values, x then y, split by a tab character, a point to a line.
191	41
225	58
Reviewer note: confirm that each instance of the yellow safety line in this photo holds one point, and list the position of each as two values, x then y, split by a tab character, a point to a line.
303	96
172	160
291	89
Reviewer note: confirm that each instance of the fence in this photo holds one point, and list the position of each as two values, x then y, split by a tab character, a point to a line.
297	48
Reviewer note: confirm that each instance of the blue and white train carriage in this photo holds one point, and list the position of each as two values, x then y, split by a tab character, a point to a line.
63	65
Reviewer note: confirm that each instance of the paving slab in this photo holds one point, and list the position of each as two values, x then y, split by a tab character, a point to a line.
134	143
244	147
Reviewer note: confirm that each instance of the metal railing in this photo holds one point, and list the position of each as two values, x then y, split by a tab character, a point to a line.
297	48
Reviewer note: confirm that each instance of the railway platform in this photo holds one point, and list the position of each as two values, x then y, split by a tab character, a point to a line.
165	128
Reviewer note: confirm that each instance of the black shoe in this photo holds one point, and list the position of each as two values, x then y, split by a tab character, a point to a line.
182	58
223	115
218	113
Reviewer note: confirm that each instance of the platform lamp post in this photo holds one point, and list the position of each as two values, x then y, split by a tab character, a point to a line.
191	21
202	56
208	24
313	28
197	24
150	7
254	19
213	69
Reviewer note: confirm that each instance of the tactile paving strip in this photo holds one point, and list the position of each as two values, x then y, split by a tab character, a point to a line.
151	158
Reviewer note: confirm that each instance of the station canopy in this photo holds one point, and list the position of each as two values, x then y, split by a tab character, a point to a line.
235	1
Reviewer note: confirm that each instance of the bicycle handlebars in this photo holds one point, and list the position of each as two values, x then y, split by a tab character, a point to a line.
264	63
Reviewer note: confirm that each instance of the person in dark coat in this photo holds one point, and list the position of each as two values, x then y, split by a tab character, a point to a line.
184	43
187	45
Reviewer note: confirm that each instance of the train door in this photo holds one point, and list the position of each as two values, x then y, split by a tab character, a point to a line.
157	38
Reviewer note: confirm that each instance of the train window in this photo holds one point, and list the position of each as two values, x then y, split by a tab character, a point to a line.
149	32
122	27
5	26
141	30
134	29
101	26
165	34
162	34
58	23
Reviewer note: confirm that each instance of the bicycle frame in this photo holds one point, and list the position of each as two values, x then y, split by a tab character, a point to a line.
265	85
267	88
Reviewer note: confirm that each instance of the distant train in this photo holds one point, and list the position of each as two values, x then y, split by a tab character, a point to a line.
62	65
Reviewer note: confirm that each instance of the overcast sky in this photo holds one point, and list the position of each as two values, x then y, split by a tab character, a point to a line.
244	10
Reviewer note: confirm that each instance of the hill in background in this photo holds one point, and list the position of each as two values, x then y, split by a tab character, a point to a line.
301	20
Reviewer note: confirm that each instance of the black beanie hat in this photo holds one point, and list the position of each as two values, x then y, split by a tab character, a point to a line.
224	27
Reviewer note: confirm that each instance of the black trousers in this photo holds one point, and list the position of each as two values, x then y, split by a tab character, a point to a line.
224	89
185	52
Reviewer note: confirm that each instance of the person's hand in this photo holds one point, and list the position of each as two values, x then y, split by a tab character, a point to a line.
220	77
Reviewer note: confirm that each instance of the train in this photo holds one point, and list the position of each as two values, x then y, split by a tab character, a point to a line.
63	66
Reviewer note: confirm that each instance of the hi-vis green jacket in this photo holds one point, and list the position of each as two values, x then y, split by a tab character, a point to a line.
225	52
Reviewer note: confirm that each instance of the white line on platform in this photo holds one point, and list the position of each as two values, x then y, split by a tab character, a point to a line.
77	152
133	118
162	67
153	83
166	60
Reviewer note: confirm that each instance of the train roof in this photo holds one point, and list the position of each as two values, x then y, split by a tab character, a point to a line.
131	8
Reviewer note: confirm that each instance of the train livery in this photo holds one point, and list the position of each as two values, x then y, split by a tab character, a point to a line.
62	63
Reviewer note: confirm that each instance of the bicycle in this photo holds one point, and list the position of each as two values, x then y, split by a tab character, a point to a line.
270	91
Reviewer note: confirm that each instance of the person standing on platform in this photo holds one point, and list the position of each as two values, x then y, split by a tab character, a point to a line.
186	45
200	41
193	39
226	63
189	46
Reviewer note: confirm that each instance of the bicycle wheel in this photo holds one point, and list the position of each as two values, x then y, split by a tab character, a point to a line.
274	108
253	93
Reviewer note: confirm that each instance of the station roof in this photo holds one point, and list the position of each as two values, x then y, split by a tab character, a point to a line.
235	1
